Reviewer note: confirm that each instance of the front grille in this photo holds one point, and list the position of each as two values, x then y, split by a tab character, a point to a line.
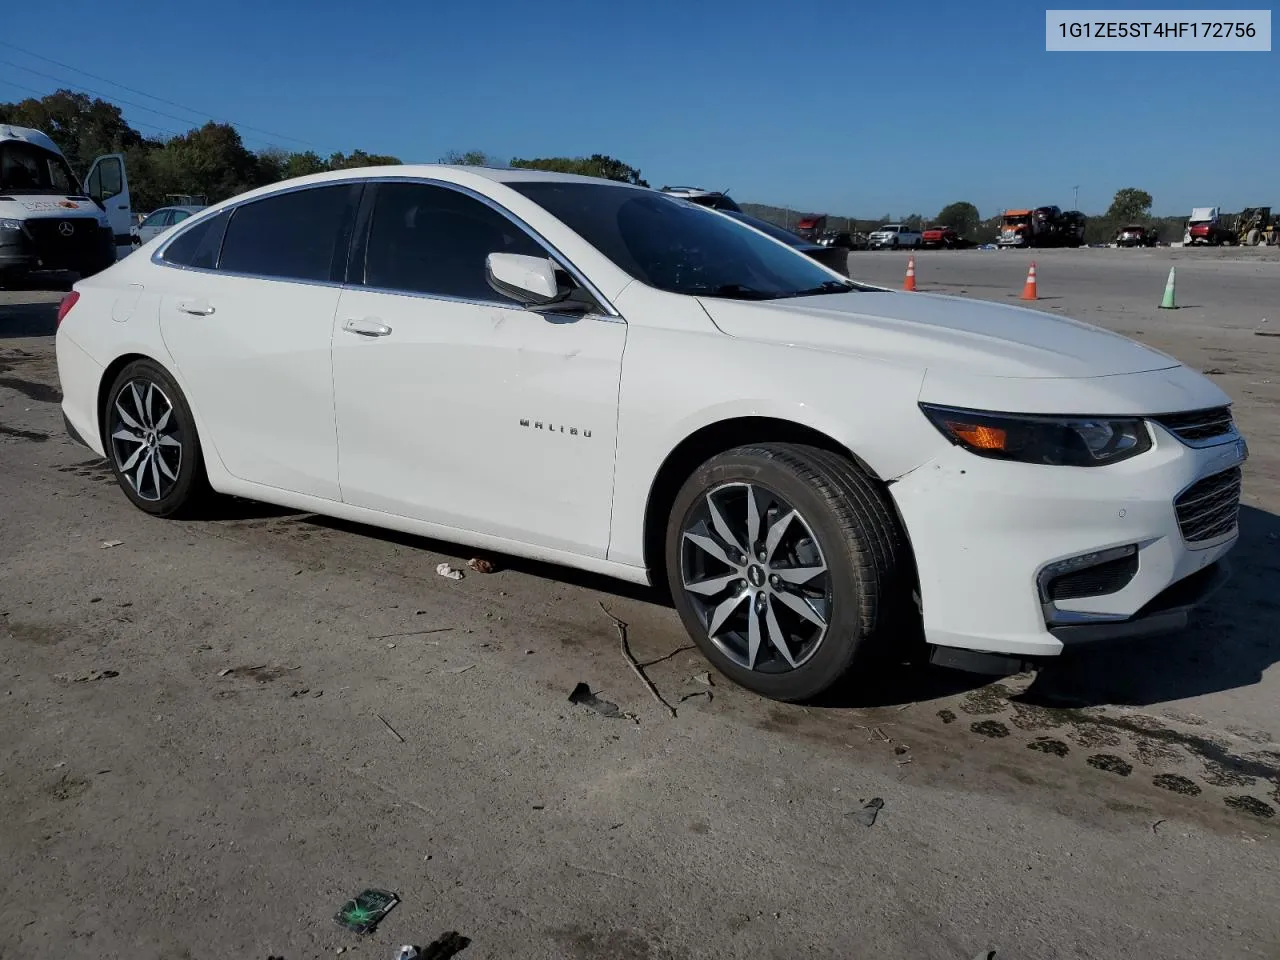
1096	581
56	248
1209	508
1198	425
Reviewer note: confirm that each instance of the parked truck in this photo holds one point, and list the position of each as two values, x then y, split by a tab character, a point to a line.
1250	227
48	220
1041	227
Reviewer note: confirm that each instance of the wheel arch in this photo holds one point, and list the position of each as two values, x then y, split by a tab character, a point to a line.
104	388
708	441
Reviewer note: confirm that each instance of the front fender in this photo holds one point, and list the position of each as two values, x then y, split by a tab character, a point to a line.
675	382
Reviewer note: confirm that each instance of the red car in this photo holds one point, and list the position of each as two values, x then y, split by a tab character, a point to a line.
940	237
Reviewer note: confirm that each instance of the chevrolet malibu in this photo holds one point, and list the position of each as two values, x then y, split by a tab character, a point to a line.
605	377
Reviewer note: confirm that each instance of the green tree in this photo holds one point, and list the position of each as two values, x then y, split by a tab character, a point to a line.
962	217
82	127
470	158
358	158
596	165
1130	204
303	164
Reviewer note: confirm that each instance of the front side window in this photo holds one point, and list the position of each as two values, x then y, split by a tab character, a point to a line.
299	235
180	215
680	247
432	240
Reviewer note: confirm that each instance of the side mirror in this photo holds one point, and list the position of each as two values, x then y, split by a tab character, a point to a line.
530	280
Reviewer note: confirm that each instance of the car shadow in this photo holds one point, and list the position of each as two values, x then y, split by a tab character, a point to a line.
28	320
1232	640
536	568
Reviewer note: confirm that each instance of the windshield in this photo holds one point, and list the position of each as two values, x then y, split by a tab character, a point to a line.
773	230
1016	221
680	247
26	168
889	228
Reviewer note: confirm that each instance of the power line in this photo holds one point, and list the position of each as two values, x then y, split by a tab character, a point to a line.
117	99
149	96
42	93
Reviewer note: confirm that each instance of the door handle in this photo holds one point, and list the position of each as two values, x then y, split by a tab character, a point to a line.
367	327
197	308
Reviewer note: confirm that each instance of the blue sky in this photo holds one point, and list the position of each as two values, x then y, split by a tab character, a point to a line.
852	108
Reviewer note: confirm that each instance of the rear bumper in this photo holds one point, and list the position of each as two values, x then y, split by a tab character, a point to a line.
79	376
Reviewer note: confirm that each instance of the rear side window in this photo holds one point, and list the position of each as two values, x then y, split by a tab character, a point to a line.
293	236
433	240
198	246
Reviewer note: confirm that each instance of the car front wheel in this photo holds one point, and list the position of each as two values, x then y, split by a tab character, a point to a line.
151	441
787	565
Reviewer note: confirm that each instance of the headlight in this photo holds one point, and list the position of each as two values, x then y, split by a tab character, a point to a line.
8	224
1056	441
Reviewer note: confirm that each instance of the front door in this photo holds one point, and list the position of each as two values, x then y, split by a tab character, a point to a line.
108	184
456	406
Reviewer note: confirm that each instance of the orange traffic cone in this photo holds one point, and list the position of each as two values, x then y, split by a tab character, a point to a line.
909	282
1029	288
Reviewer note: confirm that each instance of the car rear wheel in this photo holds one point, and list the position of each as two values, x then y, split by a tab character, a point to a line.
787	565
151	442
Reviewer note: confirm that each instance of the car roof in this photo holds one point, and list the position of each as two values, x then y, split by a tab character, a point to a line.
28	135
178	206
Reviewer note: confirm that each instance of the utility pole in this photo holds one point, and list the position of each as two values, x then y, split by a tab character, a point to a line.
1075	204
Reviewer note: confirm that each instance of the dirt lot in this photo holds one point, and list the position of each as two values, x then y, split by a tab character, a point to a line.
195	761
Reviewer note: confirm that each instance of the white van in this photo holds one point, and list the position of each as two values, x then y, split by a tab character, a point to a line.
47	222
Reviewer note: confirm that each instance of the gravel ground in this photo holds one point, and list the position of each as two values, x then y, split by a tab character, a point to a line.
196	764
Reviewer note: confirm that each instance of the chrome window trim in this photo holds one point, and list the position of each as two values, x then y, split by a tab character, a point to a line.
560	259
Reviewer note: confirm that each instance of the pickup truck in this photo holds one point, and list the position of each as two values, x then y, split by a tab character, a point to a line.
893	236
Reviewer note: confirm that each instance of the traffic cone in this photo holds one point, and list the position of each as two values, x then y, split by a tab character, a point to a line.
1168	302
1029	288
909	282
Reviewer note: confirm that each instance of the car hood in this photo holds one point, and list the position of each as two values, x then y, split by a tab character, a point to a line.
31	206
926	330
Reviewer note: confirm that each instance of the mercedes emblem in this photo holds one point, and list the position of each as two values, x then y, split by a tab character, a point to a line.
66	228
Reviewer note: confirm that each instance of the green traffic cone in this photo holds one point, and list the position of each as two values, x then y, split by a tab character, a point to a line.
1167	303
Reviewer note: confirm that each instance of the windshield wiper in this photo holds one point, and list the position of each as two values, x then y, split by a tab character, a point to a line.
827	286
739	291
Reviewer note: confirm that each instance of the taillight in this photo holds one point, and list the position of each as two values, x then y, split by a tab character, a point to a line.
65	306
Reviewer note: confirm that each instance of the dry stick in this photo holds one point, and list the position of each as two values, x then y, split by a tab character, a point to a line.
411	633
626	652
677	650
394	732
603	873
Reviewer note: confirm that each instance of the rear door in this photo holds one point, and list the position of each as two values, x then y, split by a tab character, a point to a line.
248	324
108	184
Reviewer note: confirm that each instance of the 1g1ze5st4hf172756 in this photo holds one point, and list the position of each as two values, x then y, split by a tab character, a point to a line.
809	463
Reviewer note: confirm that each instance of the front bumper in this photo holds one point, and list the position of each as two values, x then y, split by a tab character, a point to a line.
87	249
983	531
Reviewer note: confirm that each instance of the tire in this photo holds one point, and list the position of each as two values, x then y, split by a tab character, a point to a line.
841	525
162	472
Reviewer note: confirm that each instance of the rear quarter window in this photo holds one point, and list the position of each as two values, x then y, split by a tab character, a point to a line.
198	245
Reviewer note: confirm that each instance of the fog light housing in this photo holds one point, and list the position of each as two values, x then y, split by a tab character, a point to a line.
1093	574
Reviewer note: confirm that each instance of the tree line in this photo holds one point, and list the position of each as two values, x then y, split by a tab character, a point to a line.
212	161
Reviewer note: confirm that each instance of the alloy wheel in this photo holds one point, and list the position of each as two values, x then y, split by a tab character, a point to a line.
146	439
755	574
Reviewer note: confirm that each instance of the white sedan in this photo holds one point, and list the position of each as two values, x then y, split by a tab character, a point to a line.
601	376
161	220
